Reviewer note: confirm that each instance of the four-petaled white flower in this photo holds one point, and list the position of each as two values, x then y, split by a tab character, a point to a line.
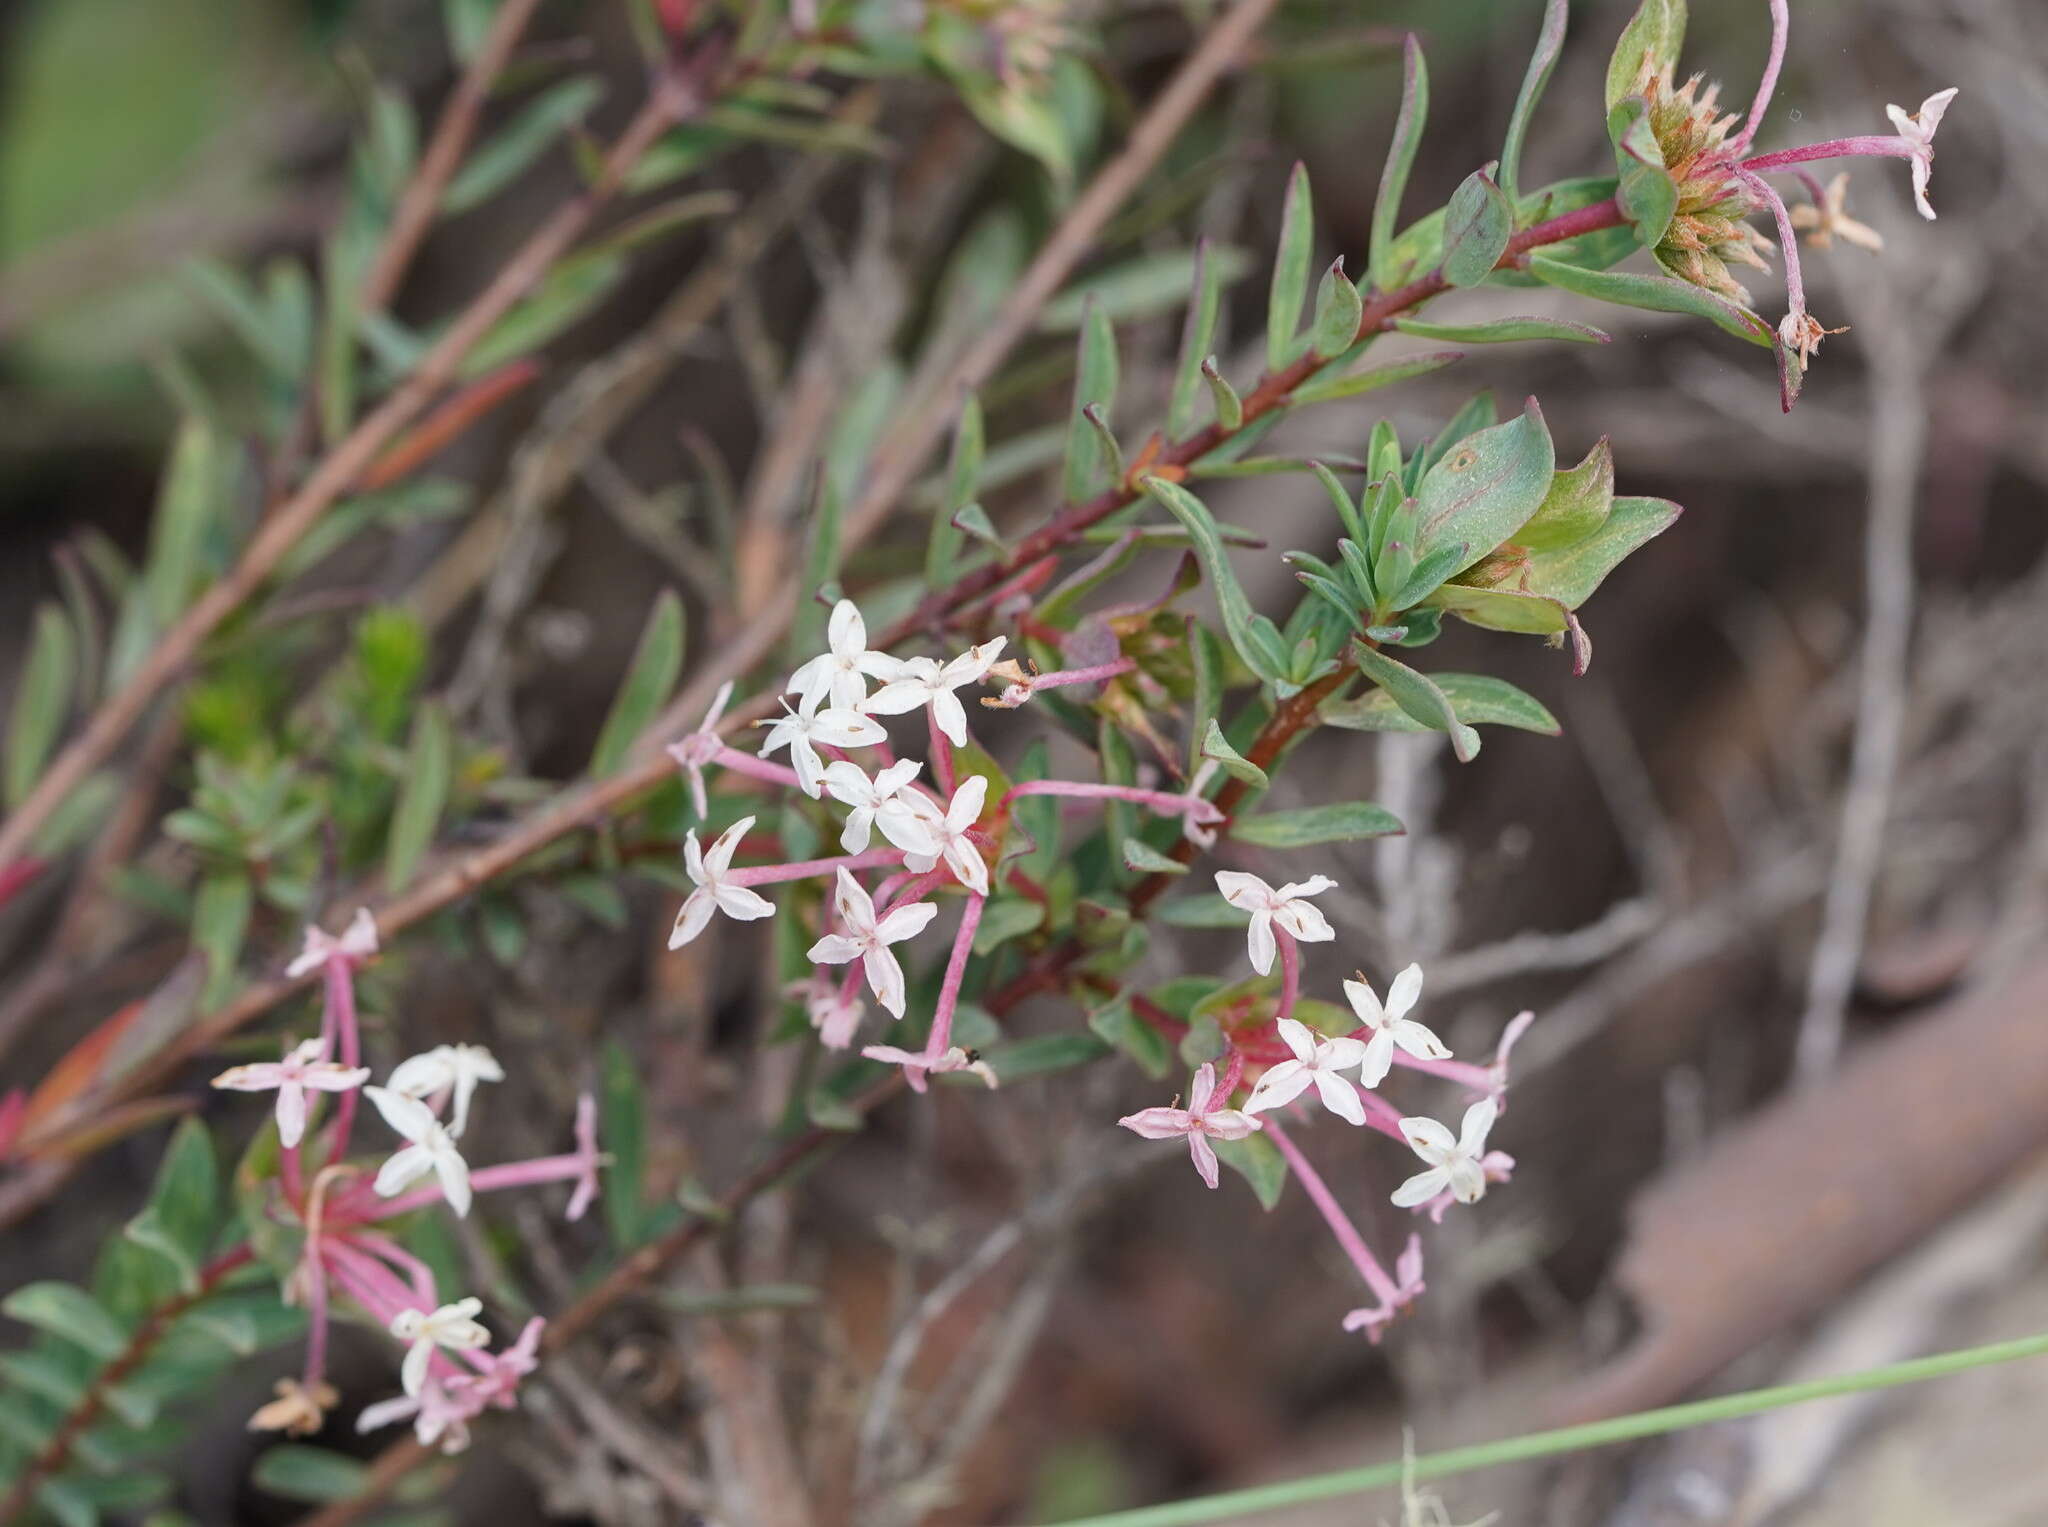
1199	1121
428	1148
952	835
886	801
715	891
1918	130
802	731
453	1326
908	683
300	1070
445	1067
867	938
1319	1060
700	748
1391	1025
1284	906
358	942
1453	1163
837	674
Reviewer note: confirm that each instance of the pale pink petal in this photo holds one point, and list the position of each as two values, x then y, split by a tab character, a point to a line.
1205	1156
1202	1088
260	1077
1156	1123
885	978
291	1114
1229	1124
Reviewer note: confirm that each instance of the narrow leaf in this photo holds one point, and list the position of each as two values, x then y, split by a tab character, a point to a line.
1238	616
1420	698
622	1121
1088	469
503	158
423	795
69	1313
1386	212
1147	860
1197	336
1290	271
42	702
1229	408
1549	43
1501	331
657	664
1338	310
1216	746
1661	294
1375	377
1341	822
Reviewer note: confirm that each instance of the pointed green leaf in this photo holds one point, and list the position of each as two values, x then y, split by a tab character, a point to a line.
220	923
1259	1162
963	480
1197	335
1477	699
1419	698
1239	620
1647	194
299	1472
1478	223
1661	294
42	702
1653	37
649	681
1386	212
1229	409
1484	489
622	1122
194	489
422	796
67	1312
571	290
1216	746
1503	609
1120	1026
1338	310
1145	287
1503	331
1571	573
973	520
505	156
1088	468
1549	43
1290	271
1429	572
182	1217
1147	860
1375	377
1341	822
1576	505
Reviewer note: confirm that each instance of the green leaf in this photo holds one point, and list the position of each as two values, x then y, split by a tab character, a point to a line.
298	1472
1478	223
1259	1162
649	682
1290	271
1485	489
821	570
1386	212
1659	294
1504	609
1197	335
1147	860
1647	194
1502	331
1123	1028
963	480
1088	469
194	487
504	157
67	1312
1653	36
1341	822
1430	572
1216	746
1145	287
42	702
1571	574
1577	504
1207	910
1229	407
1338	312
1238	615
1375	377
622	1122
220	924
180	1221
423	795
1420	698
1044	1055
1008	917
1476	699
570	291
47	1373
69	1504
1549	43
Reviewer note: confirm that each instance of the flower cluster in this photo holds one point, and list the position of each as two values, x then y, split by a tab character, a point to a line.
1342	1072
447	1375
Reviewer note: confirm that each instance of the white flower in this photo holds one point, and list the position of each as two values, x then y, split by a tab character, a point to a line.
1201	1121
459	1067
453	1326
804	728
911	682
886	801
1918	130
917	1064
715	891
867	939
300	1070
429	1148
358	942
700	748
1454	1164
951	835
1284	906
836	674
1391	1025
1319	1060
437	1416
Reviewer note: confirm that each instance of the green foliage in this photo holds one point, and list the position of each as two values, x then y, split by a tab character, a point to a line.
1478	222
1652	39
650	680
1407	139
1291	263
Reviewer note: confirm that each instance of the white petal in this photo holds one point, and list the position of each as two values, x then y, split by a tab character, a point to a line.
409	1116
811	680
886	977
1429	1139
1299	1038
967	803
743	903
1468	1182
951	717
693	856
1243	890
834	949
1379	1059
810	768
1364	1002
904	827
905	922
453	1174
719	859
896	776
1340	1054
967	865
385	1412
1281	1085
1421	1188
848	783
846	631
693	918
421	1076
412	1373
403	1170
1417	1040
1402	994
844	727
1477	1124
855	907
1259	940
1315	885
894	699
291	1114
853	837
1305	922
1340	1097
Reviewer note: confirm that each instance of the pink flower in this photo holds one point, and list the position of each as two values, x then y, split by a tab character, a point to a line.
834	1012
697	750
1318	1060
716	890
1498	1072
300	1071
438	1416
867	938
1200	1122
358	943
1374	1318
1284	906
1918	131
586	1147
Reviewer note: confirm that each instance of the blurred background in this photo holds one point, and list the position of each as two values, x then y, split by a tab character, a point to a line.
1800	806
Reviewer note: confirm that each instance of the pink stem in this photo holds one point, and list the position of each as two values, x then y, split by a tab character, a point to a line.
513	1174
941	1038
1290	973
1781	23
942	753
316	1319
775	874
341	1003
1161	801
410	1267
294	1181
1347	1235
1464	1073
1788	238
901	892
1869	146
754	766
1380	1114
1095	675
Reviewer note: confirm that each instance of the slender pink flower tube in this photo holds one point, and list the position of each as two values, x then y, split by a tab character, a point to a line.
805	869
1290	973
755	767
941	1039
1165	803
1346	1233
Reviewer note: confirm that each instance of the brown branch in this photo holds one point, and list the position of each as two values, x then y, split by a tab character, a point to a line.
628	1278
55	1453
